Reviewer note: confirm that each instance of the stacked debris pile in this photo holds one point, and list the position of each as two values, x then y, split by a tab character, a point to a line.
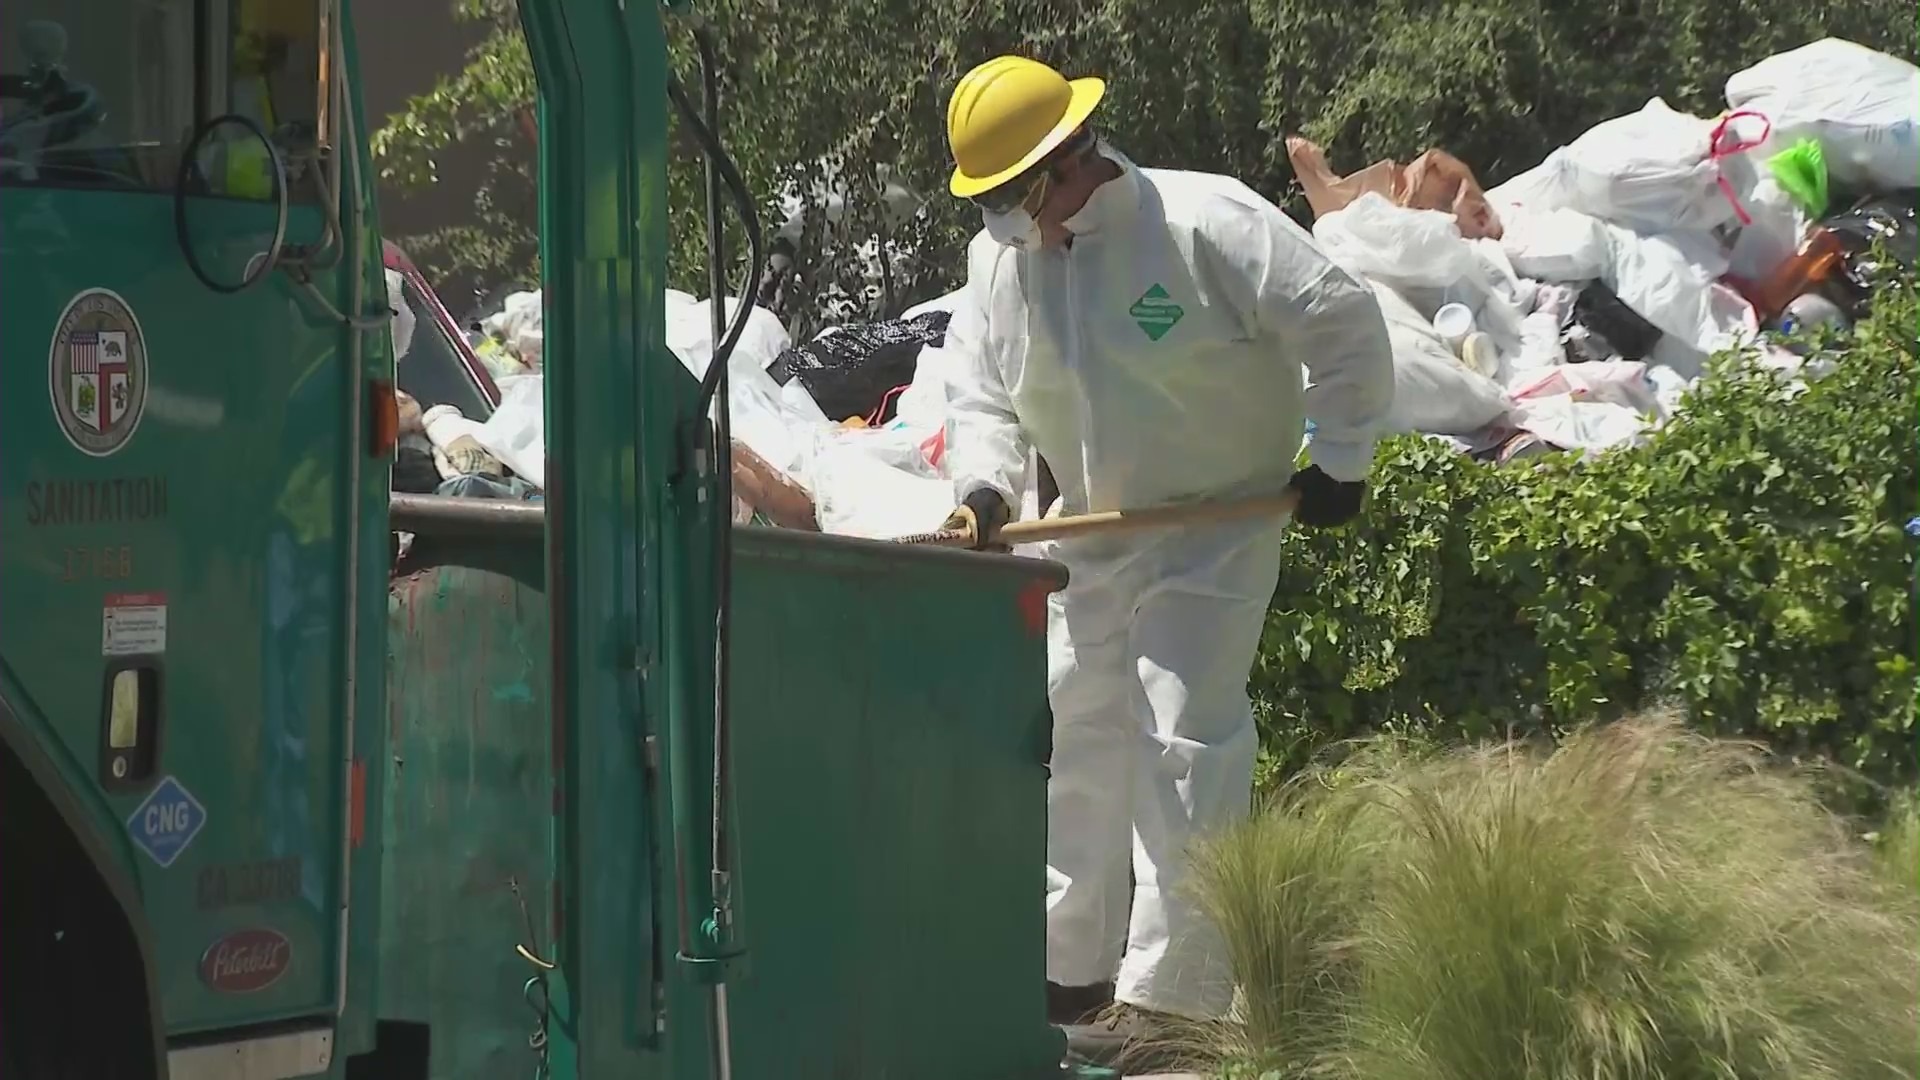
1572	307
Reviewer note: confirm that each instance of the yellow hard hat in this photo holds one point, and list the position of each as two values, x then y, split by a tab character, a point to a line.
1007	114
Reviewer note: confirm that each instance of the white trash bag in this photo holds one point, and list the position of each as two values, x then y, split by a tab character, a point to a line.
1695	314
516	433
1421	256
924	402
1660	170
1862	105
779	427
1559	245
1661	278
877	483
1654	171
1433	392
518	327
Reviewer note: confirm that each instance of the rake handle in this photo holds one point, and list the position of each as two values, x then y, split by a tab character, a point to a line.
1116	521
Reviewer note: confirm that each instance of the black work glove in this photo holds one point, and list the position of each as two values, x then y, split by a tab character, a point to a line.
980	515
1324	501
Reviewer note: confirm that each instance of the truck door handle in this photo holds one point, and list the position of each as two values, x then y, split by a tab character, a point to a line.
130	714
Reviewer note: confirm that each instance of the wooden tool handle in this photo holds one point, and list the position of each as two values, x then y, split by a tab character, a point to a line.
1115	521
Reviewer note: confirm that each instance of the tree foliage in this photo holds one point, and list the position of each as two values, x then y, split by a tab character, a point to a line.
1214	85
489	101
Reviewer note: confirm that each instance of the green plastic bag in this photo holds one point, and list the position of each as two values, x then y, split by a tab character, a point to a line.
1802	170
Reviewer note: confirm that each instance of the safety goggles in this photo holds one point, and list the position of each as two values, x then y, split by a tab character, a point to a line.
1026	190
1029	189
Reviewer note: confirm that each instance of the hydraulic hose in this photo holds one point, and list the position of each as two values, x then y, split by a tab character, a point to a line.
720	171
723	458
750	224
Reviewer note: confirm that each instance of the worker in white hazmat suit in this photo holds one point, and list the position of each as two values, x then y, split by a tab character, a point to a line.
1151	333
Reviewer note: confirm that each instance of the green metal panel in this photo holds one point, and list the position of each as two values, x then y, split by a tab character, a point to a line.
232	500
244	428
469	810
891	732
617	570
365	763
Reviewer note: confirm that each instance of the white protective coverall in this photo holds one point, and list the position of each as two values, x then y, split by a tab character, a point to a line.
1157	359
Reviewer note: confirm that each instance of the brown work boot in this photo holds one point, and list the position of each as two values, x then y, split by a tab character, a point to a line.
1128	1038
1068	1005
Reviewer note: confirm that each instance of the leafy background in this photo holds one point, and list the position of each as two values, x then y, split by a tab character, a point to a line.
1750	563
1208	84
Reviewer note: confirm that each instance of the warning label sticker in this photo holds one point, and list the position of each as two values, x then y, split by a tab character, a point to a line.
133	624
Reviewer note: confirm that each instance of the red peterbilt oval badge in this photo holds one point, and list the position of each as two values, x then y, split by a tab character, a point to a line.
246	961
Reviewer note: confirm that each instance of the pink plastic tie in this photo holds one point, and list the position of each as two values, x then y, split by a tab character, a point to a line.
1717	153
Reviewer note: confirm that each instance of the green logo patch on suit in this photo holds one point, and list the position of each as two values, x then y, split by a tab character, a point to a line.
1156	313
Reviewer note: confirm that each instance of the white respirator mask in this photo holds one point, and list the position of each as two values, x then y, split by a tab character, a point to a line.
1013	228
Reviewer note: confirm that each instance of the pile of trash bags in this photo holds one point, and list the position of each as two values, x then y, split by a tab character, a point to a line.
844	434
1571	307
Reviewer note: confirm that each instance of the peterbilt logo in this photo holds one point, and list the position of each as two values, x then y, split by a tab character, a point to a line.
246	961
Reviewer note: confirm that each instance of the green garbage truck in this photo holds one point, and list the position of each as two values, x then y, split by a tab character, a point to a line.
600	786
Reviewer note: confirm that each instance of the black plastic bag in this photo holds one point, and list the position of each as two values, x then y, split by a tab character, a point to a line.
1892	221
1621	330
852	372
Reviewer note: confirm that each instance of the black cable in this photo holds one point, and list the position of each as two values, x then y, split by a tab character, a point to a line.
722	169
750	224
723	462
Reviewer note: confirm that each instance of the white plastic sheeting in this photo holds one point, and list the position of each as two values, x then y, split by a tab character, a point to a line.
776	422
877	483
1653	275
518	325
1591	407
516	433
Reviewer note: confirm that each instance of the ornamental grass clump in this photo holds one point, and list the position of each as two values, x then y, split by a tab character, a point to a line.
1898	845
1635	903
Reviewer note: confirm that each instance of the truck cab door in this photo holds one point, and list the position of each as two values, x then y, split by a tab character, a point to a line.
185	479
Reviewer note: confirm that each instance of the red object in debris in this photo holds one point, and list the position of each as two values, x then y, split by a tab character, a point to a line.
934	447
246	961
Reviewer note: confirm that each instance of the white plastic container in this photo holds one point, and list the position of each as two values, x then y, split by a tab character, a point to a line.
1454	322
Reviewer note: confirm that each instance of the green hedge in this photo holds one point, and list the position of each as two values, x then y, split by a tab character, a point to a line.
1749	564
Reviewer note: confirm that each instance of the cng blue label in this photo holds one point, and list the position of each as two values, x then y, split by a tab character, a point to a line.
166	822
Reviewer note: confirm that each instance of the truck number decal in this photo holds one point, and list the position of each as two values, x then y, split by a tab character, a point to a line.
113	562
275	881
